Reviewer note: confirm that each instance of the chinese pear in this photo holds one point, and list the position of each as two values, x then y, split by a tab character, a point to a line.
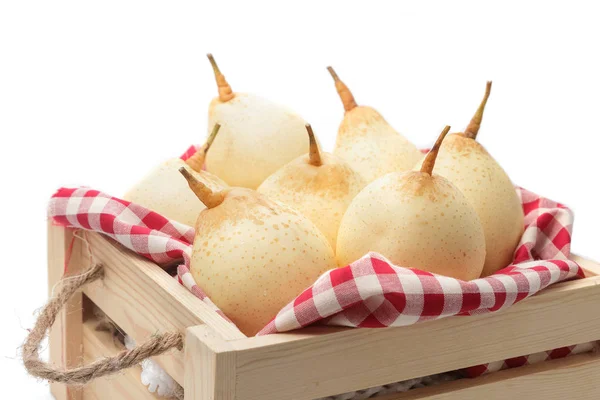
319	185
468	165
253	255
367	142
163	191
257	136
415	219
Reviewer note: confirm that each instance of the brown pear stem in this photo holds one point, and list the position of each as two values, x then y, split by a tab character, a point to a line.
473	127
345	93
429	161
196	162
208	197
225	91
314	155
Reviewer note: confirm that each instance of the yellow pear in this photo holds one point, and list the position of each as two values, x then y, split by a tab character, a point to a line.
163	191
257	136
367	142
253	255
468	165
319	185
416	220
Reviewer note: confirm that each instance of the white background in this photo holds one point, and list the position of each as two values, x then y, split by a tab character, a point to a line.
96	93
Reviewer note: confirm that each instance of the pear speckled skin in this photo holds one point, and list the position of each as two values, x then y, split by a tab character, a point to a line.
417	221
367	142
257	137
371	146
253	255
322	193
162	190
469	166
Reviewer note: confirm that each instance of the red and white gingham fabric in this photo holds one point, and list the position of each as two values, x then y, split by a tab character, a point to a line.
370	292
139	229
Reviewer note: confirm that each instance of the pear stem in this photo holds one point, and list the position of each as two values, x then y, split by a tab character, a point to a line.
208	197
196	162
314	155
430	158
473	127
343	91
225	91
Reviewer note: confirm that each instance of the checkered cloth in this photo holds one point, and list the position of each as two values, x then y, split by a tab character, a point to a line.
371	292
374	293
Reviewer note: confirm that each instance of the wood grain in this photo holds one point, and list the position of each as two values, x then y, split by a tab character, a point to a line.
210	364
65	339
125	385
574	377
220	363
143	299
308	367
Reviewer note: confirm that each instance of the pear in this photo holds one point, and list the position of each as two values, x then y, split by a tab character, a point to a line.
257	138
319	185
367	142
163	191
253	255
469	166
416	220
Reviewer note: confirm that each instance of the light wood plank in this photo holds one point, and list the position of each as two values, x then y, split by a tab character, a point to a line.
210	364
312	366
591	268
65	339
574	377
143	300
123	386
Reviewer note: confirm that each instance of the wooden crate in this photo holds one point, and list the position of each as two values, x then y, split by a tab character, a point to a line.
220	363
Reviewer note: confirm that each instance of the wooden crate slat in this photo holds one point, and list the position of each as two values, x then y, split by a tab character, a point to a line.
124	385
221	363
143	300
210	364
163	291
591	267
322	365
65	339
574	377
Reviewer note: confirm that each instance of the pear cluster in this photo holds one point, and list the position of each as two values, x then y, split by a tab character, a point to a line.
273	212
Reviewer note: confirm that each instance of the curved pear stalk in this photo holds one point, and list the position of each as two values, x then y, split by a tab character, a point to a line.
205	195
345	93
473	127
230	157
225	91
319	185
196	162
429	161
313	154
488	188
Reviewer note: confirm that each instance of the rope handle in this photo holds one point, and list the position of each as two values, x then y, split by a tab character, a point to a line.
155	346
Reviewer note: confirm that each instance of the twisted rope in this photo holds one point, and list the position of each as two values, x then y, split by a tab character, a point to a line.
156	345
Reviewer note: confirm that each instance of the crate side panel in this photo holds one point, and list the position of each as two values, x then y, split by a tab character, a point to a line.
574	377
65	338
309	367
